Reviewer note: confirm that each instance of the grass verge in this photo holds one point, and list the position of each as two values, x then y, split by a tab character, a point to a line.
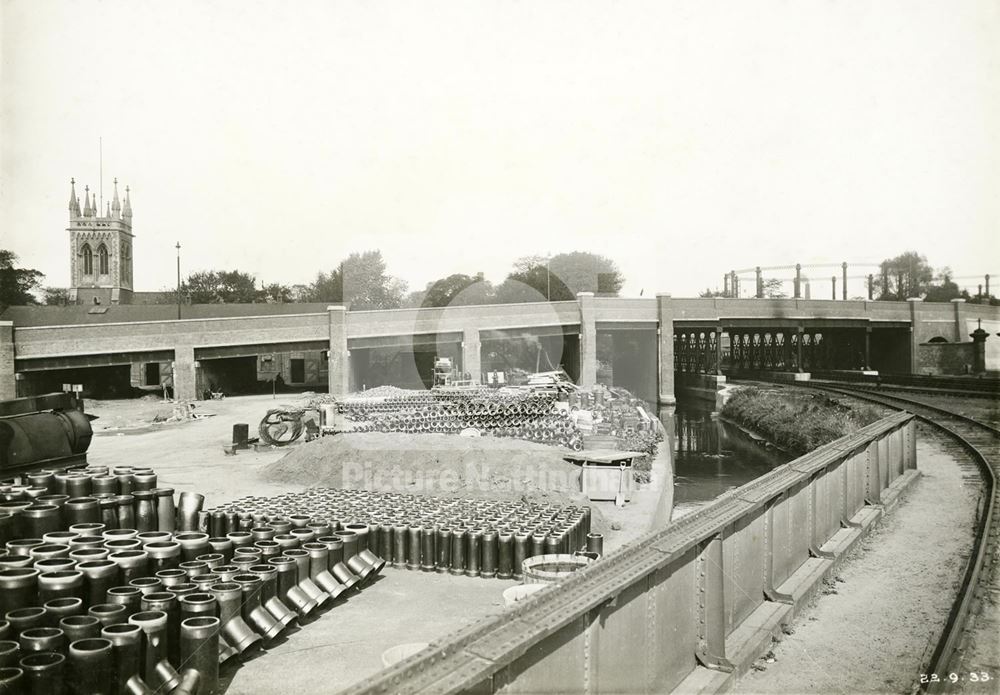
796	422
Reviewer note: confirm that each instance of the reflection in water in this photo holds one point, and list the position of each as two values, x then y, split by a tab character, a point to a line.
710	457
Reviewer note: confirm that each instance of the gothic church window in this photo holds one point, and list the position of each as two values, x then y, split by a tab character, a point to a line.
88	260
102	255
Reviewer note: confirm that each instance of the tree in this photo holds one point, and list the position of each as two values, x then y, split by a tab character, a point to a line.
774	288
361	282
532	283
220	287
55	296
561	278
457	289
275	293
16	284
906	275
944	288
414	300
300	292
709	292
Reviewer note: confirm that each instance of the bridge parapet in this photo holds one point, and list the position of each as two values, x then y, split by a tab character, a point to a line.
455	319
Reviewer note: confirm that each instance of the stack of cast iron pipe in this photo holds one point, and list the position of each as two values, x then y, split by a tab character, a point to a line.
90	607
472	537
527	416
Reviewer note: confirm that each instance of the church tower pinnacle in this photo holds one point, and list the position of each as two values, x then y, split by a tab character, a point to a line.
74	202
115	205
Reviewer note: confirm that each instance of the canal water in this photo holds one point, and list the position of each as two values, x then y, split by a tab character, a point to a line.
710	456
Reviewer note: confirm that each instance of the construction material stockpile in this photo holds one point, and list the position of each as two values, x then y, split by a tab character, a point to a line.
614	412
471	537
529	415
109	586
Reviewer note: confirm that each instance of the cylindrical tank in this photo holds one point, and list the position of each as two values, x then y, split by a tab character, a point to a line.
41	436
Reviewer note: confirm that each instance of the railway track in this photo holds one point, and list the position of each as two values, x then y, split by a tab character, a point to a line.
982	441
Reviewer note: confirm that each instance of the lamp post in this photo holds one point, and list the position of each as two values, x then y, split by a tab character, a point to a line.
548	279
178	281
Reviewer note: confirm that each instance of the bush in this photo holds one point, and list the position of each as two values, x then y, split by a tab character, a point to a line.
796	422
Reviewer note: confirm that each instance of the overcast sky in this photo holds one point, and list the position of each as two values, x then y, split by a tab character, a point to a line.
682	139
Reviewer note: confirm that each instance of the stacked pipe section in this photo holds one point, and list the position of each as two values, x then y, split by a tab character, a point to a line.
107	585
469	537
524	415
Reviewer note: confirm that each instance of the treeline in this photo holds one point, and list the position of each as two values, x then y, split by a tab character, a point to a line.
363	281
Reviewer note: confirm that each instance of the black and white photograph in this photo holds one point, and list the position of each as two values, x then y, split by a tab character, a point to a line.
507	347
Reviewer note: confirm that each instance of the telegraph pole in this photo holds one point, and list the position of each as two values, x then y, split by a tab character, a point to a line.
178	281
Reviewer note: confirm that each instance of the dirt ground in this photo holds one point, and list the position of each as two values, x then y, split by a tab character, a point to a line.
874	623
186	455
346	643
442	465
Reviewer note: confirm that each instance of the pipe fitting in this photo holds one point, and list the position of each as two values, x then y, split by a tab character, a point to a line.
166	603
229	596
199	649
319	562
288	588
306	584
155	669
253	610
269	594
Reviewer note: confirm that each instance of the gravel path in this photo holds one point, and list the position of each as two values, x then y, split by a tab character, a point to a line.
870	629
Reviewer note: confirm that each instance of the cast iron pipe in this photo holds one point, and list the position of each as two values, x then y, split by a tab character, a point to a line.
166	512
126	655
18	588
91	664
78	627
59	608
193	544
12	680
128	596
10	653
42	639
131	563
109	613
44	673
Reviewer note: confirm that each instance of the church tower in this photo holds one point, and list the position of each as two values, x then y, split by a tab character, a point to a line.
100	249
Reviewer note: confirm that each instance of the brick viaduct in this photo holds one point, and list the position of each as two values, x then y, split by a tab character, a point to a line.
910	336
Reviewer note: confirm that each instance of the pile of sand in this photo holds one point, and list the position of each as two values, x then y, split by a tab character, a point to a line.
435	464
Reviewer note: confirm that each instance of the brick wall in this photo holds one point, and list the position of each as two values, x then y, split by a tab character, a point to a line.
8	386
944	358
